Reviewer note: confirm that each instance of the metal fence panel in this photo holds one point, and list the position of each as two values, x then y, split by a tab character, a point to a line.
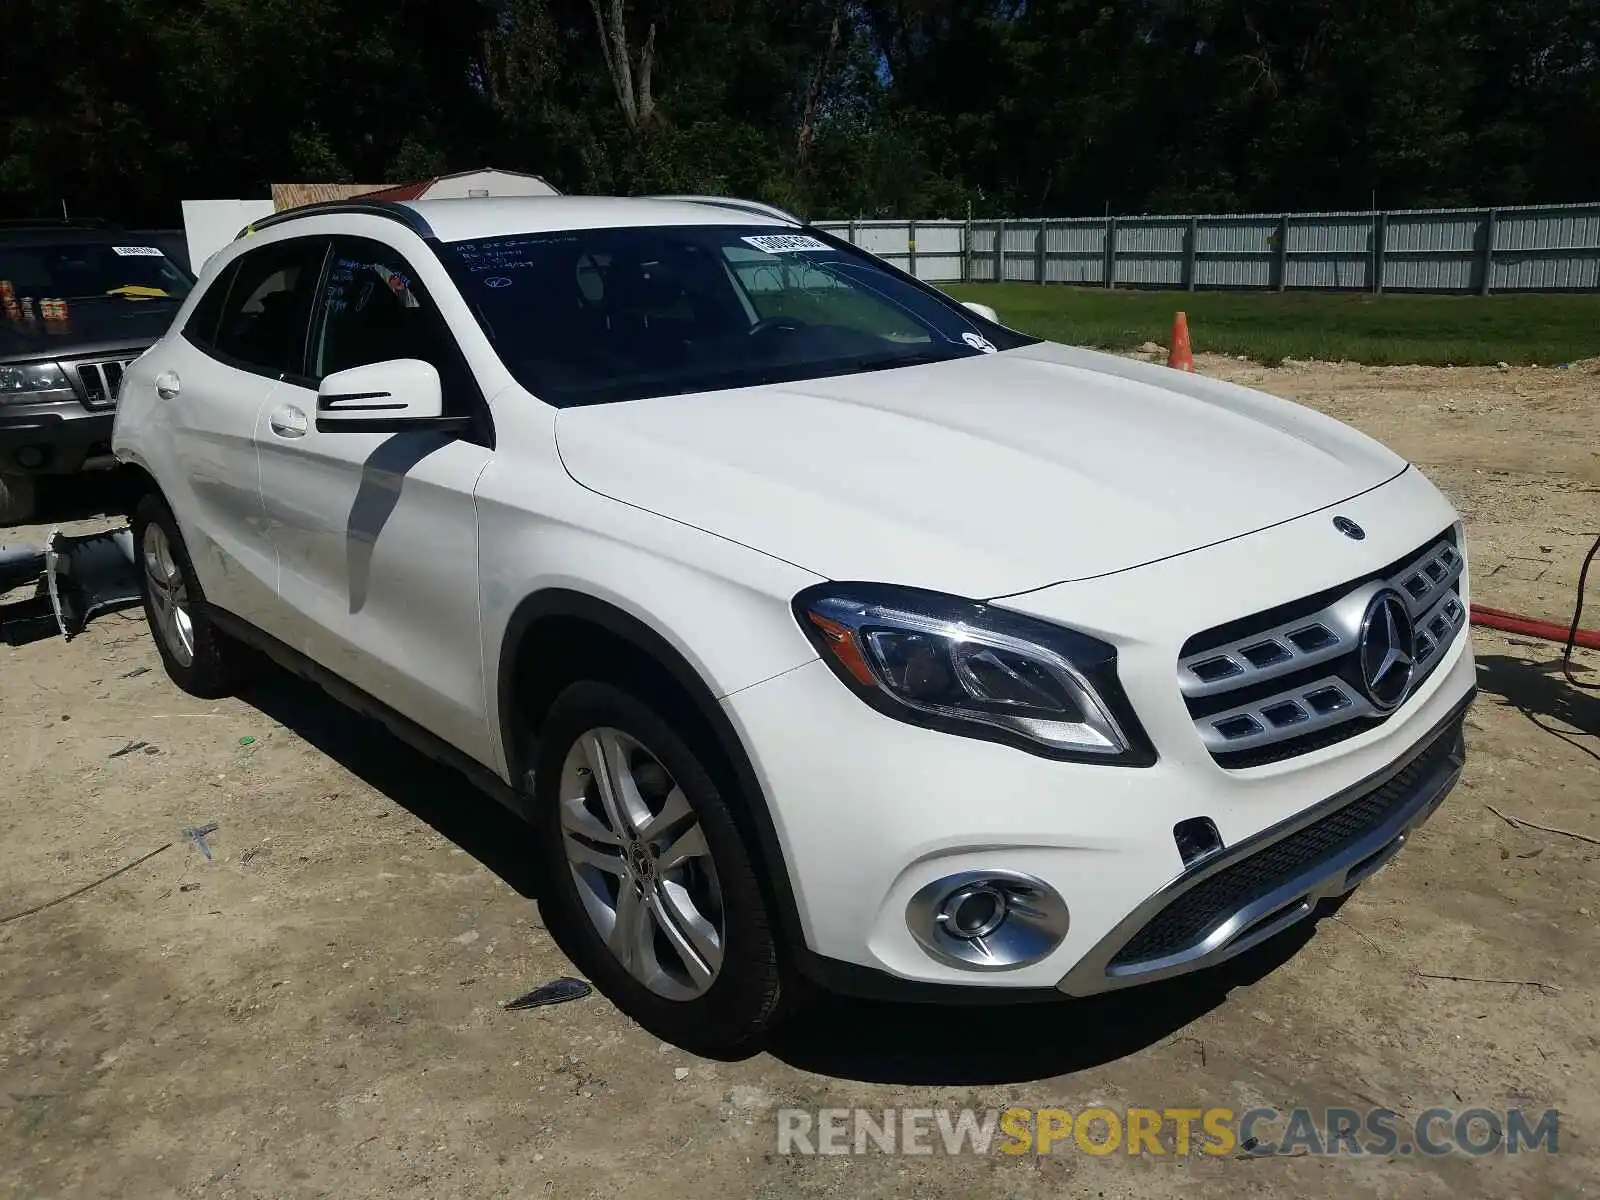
1150	252
886	239
938	247
981	266
1234	251
1075	251
1329	250
1547	248
1236	235
1537	271
1446	250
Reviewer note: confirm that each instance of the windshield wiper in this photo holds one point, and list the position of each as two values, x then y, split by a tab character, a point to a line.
888	361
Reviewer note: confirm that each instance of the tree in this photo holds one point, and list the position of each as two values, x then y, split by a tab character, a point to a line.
831	107
633	86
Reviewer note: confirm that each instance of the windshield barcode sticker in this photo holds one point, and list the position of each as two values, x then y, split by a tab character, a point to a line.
784	243
137	251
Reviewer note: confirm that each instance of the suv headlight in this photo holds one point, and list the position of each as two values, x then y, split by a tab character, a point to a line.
32	381
972	669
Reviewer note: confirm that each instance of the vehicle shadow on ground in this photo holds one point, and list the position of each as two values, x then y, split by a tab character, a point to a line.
1541	693
934	1045
438	795
869	1041
80	497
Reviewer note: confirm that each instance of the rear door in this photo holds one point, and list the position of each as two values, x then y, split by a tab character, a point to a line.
377	534
243	335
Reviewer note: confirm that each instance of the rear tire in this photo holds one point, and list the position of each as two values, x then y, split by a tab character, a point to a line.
198	657
696	959
18	498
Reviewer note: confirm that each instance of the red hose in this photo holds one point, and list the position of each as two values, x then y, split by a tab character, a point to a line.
1494	618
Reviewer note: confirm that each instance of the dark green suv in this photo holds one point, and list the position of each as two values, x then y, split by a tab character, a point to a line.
78	302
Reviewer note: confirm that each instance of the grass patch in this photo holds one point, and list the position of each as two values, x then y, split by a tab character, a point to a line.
1331	326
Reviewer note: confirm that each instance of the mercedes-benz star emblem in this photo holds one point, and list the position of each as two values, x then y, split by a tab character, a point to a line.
1388	650
1349	528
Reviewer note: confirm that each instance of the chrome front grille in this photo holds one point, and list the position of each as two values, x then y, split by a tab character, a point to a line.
1291	680
98	382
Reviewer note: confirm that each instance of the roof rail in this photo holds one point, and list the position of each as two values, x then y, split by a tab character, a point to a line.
409	217
749	206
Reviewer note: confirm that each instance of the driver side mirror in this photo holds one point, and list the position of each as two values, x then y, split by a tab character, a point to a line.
983	310
397	396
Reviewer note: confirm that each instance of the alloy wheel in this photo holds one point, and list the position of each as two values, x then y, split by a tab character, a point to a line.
643	870
169	595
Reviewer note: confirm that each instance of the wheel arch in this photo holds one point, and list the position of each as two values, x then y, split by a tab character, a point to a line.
142	482
577	627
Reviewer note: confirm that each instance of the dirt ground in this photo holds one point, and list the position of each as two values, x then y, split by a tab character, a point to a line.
315	1011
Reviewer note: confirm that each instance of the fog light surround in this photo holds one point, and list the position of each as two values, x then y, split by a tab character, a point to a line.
988	920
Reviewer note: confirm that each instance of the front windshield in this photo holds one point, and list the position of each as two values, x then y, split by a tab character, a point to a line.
592	316
126	270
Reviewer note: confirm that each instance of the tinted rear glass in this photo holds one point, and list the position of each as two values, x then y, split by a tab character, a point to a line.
591	316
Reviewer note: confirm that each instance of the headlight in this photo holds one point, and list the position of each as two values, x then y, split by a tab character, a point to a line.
972	669
27	382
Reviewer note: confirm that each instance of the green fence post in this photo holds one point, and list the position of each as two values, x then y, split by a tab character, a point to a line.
1280	259
1380	231
1491	226
1111	253
1190	240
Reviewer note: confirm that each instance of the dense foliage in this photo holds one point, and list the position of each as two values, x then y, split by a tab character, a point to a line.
835	107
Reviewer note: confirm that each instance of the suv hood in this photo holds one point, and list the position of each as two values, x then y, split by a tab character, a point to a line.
981	477
91	326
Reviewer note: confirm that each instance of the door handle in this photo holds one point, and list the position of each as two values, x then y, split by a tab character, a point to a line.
168	385
288	422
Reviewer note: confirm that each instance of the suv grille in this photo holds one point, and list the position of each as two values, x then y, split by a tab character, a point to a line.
1192	916
99	382
1290	680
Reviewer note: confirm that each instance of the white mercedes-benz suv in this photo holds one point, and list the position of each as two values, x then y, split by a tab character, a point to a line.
821	627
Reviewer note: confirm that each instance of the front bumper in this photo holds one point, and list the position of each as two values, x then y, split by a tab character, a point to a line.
65	436
1241	896
869	811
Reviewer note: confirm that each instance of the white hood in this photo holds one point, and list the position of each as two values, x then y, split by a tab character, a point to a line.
981	477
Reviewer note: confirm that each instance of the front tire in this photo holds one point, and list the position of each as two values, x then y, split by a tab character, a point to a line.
198	657
650	887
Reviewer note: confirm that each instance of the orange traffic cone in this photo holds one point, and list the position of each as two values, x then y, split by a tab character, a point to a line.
1180	356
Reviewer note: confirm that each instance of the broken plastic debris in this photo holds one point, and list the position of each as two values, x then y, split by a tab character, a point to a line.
247	740
89	574
557	991
198	834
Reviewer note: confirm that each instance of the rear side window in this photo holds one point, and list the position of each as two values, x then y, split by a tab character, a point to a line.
262	325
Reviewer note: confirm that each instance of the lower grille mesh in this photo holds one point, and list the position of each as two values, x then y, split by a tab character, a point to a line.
1193	915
